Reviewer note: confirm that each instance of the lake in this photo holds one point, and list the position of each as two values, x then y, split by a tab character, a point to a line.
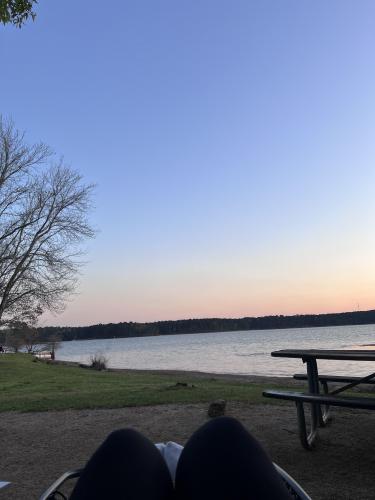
245	352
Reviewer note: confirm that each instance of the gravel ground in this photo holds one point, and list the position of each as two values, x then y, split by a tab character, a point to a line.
37	447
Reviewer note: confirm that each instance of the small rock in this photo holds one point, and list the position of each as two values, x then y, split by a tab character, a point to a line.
217	408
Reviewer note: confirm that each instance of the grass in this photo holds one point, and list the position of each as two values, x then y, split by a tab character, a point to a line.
37	386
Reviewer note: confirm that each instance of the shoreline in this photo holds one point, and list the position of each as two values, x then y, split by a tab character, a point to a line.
259	379
255	379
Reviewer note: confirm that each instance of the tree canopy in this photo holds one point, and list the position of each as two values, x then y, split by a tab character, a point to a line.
16	12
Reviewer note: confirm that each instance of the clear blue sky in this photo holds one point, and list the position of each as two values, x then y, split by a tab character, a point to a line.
232	144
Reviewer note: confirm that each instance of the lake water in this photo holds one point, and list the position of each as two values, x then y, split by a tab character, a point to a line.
245	352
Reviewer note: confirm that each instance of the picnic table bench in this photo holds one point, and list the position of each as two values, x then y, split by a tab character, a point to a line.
320	402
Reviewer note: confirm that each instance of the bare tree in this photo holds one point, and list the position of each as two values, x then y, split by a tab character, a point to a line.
54	343
32	341
15	338
43	221
32	338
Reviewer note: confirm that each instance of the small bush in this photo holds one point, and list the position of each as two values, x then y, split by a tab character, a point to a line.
98	362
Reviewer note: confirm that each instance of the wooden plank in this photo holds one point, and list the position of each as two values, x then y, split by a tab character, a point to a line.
333	378
352	402
335	354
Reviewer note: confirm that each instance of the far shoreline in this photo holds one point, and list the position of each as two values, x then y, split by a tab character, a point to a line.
203	332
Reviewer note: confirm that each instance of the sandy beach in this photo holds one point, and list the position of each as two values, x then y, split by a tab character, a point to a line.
38	447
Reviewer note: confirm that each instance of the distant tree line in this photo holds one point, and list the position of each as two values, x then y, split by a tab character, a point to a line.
121	330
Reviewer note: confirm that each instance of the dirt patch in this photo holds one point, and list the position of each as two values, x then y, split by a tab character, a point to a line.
37	447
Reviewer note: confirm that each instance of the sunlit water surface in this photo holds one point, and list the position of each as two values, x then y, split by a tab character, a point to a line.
245	352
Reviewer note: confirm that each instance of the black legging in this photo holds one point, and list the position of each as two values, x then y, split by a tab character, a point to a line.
221	461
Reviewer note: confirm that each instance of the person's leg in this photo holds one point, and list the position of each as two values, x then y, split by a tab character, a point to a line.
223	461
126	466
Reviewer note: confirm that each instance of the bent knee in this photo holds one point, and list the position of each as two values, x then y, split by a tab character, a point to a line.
226	424
120	436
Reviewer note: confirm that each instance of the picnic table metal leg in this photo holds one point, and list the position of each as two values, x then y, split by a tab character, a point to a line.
307	438
322	414
313	383
326	414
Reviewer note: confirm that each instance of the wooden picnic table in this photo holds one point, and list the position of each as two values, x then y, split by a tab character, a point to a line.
319	415
310	357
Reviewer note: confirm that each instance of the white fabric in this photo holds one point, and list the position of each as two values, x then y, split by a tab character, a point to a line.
3	484
171	453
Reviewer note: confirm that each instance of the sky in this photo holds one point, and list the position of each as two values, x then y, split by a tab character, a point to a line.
231	144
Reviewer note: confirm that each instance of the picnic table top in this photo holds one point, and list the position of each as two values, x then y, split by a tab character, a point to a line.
336	354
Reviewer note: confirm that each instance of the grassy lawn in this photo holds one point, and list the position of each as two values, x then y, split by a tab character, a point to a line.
37	386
